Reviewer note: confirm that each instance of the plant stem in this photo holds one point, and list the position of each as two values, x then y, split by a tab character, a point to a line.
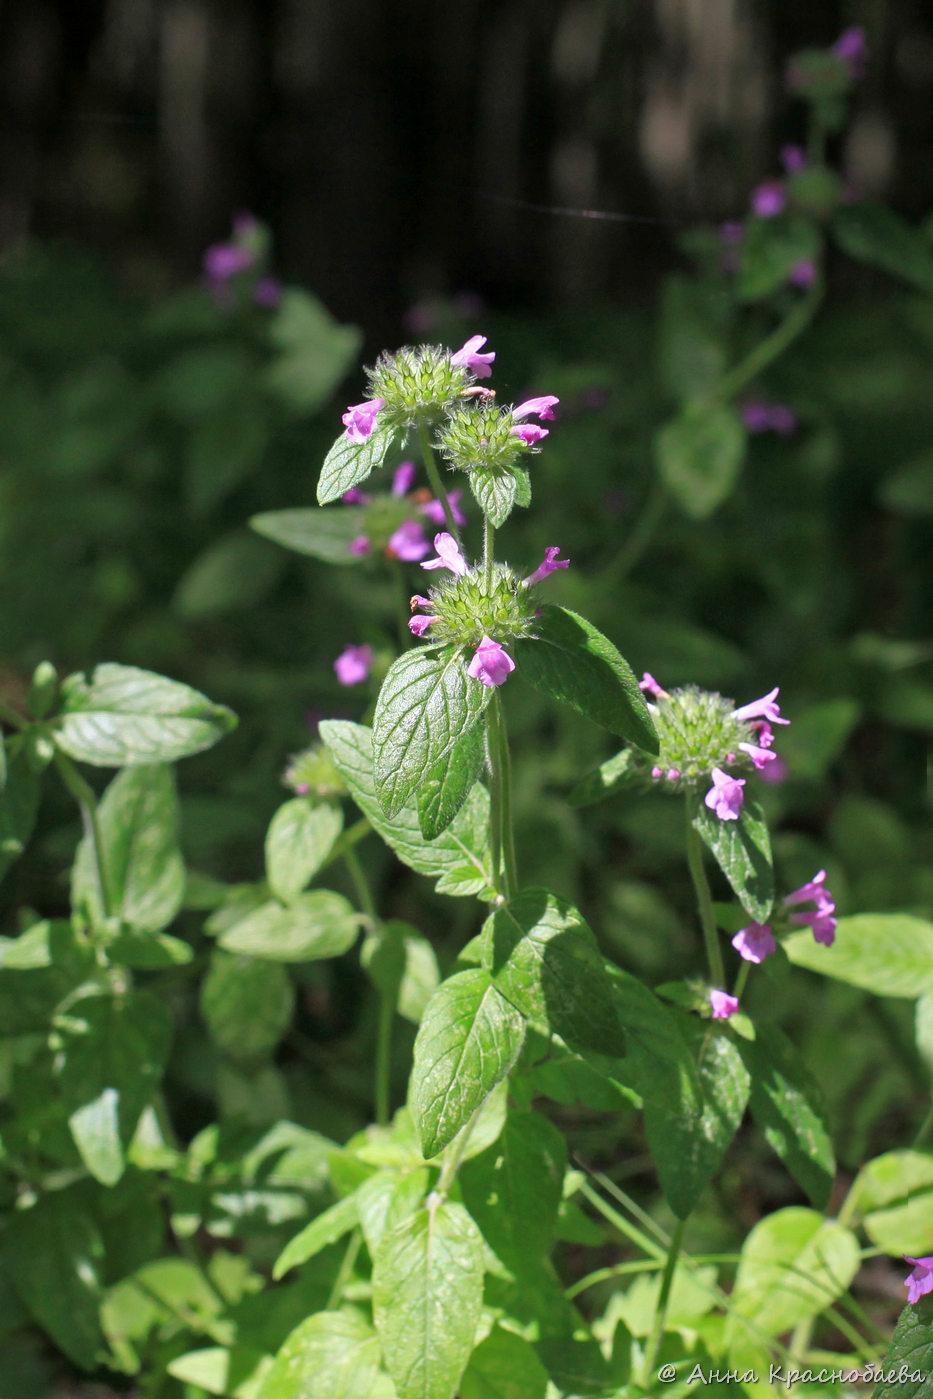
771	348
453	1158
502	839
741	979
87	803
489	535
640	535
346	1268
704	900
434	476
382	1091
664	1296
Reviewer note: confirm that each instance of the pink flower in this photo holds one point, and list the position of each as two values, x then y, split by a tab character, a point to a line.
403	477
920	1281
354	496
756	415
651	686
783	420
491	664
815	888
852	48
542	408
550	565
754	943
360	418
769	199
448	555
419	601
223	261
267	291
419	625
468	357
353	664
723	1004
759	756
764	708
529	433
776	773
360	545
793	158
408	542
822	920
673	774
731	233
803	273
434	510
725	797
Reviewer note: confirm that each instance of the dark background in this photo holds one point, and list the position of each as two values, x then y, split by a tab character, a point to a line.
394	148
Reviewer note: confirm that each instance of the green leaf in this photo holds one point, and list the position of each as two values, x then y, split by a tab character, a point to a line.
742	850
911	1347
513	1188
348	463
300	838
890	954
458	859
388	1198
691	348
894	1196
232	574
787	1104
19	805
332	1355
794	1265
699	456
495	492
324	1229
447	784
573	662
771	250
725	1086
313	926
427	1299
505	1366
611	776
247	1006
149	951
426	705
545	960
469	1038
237	1372
124	717
321	534
138	823
55	1256
522	486
114	1050
874	234
314	351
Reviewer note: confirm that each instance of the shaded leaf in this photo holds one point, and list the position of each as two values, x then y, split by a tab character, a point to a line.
247	1005
299	839
890	954
332	1355
513	1188
322	534
911	1346
446	785
699	456
877	235
505	1366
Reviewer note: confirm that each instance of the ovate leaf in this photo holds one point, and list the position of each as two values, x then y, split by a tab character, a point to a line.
300	838
874	234
894	1197
912	1348
787	1104
890	954
322	534
314	351
699	456
124	716
427	704
55	1256
332	1355
513	1189
447	784
545	960
237	1372
742	850
572	661
495	493
458	858
505	1366
348	463
313	926
326	1228
427	1299
143	866
469	1038
114	1050
247	1005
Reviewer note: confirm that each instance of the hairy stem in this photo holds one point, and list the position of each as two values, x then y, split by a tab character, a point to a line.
771	348
489	535
434	476
502	837
704	900
664	1296
387	1001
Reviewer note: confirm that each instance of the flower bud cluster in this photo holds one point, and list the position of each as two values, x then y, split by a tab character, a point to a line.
698	732
466	608
478	435
419	384
312	772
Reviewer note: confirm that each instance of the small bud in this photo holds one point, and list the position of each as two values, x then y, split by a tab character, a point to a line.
43	690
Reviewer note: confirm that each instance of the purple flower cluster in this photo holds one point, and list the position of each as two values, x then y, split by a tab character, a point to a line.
225	263
920	1281
408	542
759	416
756	941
